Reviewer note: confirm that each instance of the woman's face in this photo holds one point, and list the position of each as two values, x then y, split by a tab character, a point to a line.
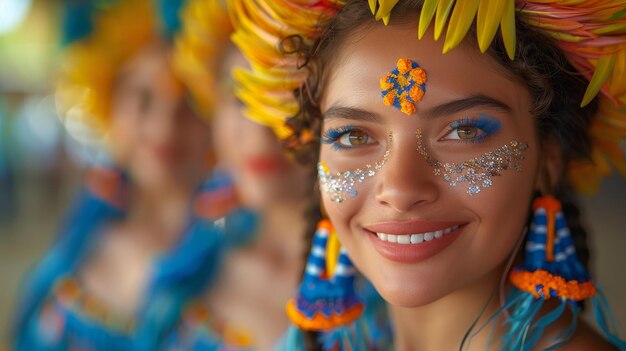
415	225
250	151
155	134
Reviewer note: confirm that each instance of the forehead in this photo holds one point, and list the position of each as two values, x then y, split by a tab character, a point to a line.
364	57
150	68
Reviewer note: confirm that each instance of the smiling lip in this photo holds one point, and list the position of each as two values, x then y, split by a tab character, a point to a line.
167	154
263	164
411	242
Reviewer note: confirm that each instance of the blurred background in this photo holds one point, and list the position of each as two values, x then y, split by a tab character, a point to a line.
40	165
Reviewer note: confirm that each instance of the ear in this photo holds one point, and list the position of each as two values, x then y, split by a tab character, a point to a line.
551	166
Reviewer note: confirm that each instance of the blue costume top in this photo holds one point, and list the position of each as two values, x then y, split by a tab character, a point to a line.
199	332
54	314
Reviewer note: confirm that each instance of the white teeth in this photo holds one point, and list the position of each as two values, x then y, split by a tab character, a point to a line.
404	239
415	238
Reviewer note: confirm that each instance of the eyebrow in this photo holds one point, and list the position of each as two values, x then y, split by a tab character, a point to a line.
459	105
342	112
447	108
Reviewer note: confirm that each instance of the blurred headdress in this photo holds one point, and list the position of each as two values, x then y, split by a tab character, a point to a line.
102	35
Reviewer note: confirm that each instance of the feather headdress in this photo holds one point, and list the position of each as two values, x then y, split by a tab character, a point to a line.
198	49
591	33
110	32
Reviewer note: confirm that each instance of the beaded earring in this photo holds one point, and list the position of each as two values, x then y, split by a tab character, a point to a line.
327	301
551	270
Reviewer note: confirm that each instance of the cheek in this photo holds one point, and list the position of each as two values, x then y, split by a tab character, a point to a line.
343	215
502	213
225	137
124	137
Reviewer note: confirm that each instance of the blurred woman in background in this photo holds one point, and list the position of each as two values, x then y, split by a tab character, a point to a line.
137	244
245	308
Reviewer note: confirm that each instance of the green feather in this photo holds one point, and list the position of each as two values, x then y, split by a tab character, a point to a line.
618	15
602	73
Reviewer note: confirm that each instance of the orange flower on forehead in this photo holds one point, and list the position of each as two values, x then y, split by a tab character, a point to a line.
404	86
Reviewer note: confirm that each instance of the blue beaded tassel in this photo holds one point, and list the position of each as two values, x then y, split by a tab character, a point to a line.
327	301
550	270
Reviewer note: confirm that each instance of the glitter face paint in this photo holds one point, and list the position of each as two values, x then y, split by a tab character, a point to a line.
340	186
477	172
404	86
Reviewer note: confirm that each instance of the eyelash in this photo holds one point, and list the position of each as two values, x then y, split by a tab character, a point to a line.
489	125
331	136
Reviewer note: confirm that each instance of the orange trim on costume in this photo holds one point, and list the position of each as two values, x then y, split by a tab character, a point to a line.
552	207
105	183
573	290
68	291
319	320
196	313
237	336
213	204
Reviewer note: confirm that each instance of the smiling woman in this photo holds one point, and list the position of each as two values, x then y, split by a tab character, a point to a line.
431	153
412	194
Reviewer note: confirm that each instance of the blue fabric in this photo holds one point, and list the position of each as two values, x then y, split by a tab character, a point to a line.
178	276
169	11
81	229
78	18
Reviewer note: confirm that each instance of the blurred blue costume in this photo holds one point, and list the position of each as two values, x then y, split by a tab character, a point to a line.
54	314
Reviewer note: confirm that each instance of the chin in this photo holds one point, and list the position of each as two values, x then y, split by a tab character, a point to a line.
408	293
260	192
155	176
404	285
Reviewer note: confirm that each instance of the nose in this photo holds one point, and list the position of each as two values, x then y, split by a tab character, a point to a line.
167	119
406	180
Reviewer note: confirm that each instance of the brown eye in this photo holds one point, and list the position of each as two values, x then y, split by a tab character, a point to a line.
354	138
468	132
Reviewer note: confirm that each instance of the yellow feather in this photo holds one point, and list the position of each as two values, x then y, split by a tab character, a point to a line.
428	11
333	246
460	21
507	28
443	11
386	19
385	9
372	4
603	71
489	17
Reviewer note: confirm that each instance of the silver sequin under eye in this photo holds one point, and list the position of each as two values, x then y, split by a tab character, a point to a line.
341	185
477	172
